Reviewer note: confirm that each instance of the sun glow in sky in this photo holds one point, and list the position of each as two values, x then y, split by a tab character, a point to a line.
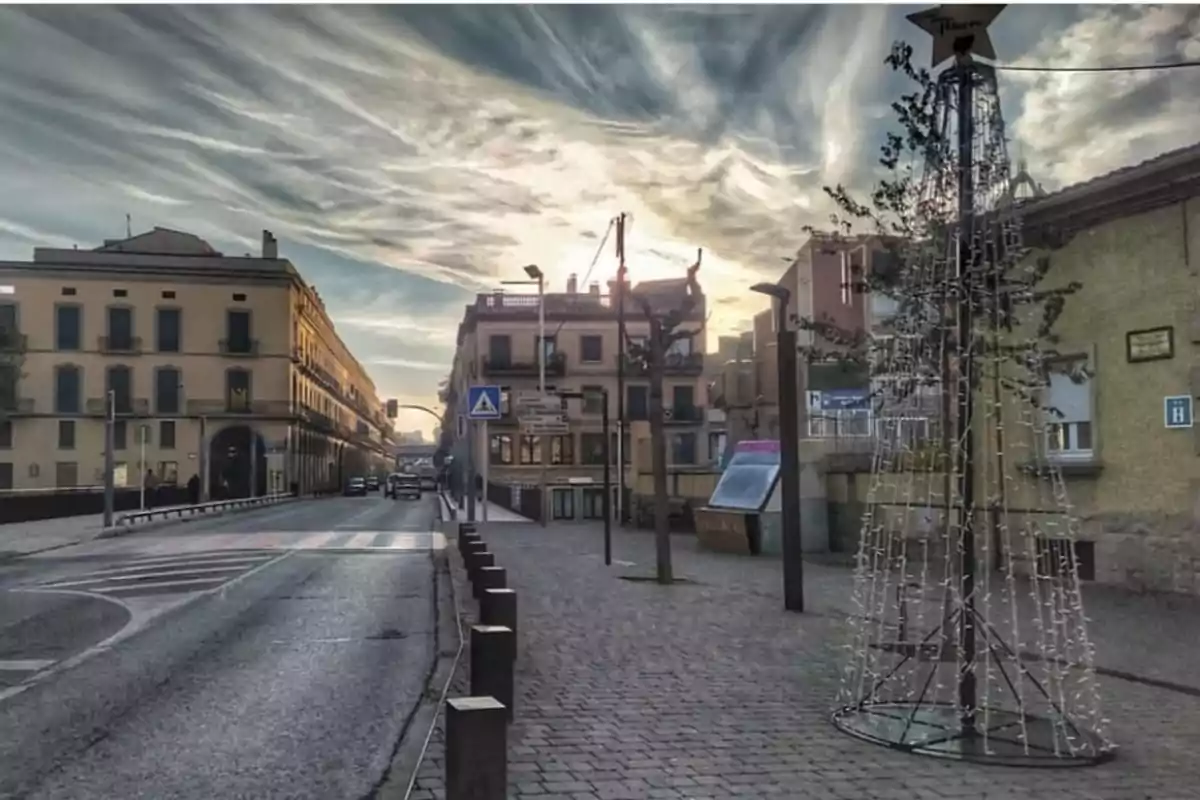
409	157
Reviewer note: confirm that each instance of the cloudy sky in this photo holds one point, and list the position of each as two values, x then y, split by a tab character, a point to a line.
407	158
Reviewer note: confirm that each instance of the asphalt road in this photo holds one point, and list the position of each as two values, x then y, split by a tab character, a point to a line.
269	654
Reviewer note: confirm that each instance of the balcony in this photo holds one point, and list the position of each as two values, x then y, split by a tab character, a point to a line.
16	406
115	345
683	415
318	420
556	366
245	348
126	407
225	408
13	342
674	364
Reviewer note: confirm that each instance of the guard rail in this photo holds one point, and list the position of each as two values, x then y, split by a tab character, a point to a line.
200	508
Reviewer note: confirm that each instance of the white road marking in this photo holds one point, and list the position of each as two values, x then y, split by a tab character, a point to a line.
25	664
182	571
352	523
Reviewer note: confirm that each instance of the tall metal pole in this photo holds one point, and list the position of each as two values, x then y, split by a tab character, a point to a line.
142	466
487	457
789	458
471	470
203	459
965	357
621	511
253	463
607	506
543	441
110	417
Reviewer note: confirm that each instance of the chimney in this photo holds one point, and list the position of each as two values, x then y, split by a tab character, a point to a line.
270	248
572	284
594	289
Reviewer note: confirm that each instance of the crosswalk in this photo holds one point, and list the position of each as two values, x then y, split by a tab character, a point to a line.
198	563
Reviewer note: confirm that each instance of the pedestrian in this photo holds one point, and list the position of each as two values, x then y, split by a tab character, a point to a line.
193	488
151	489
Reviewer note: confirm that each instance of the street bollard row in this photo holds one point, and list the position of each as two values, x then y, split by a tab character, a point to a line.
477	726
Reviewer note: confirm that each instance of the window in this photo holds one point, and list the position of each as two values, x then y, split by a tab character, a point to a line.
6	434
237	390
68	328
593	399
562	449
120	293
120	328
531	449
120	435
501	449
505	401
68	291
591	448
10	376
168	295
6	475
683	448
591	349
119	380
683	402
549	345
166	435
239	298
66	434
562	503
499	350
237	332
716	447
168	330
66	474
166	390
8	325
168	472
637	403
67	389
593	503
1068	413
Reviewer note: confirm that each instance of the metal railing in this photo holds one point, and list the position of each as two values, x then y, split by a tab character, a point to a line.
180	512
134	407
673	364
119	344
556	364
253	408
243	347
17	405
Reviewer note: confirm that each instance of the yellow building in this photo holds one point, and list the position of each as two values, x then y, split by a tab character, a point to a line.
207	358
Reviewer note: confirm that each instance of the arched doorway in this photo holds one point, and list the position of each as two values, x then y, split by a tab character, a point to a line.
229	463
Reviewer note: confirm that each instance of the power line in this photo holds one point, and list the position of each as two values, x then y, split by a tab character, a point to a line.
1136	68
595	258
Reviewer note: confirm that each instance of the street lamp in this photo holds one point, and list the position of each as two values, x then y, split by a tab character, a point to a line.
789	448
536	276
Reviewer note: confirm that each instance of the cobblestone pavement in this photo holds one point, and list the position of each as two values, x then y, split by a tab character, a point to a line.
631	690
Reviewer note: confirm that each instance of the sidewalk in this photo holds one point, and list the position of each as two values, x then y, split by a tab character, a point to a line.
631	690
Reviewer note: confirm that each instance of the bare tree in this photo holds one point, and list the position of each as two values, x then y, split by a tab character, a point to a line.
664	331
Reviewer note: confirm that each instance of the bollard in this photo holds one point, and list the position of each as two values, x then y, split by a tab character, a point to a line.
476	749
478	562
473	549
488	577
465	536
499	607
492	664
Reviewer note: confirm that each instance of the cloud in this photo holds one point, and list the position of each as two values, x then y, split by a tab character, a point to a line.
409	157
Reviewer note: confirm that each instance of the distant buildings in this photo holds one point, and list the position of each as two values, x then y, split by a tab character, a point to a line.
208	358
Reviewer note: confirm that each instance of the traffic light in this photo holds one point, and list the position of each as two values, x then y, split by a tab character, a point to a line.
391	409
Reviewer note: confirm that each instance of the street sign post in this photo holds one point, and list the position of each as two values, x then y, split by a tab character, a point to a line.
483	403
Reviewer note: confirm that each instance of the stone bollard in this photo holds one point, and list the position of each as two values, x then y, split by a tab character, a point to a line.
466	540
492	664
469	555
488	577
478	562
499	607
476	749
465	531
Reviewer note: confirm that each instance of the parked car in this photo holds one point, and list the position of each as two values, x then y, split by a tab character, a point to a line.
401	484
355	487
372	484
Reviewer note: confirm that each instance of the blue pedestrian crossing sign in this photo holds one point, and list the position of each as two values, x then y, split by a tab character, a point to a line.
1177	411
483	402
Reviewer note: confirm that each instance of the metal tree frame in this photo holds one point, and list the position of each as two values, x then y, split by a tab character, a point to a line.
1003	725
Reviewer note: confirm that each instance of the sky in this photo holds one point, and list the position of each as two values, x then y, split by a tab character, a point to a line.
408	158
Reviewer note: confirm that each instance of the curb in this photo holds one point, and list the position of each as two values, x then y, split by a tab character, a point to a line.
121	530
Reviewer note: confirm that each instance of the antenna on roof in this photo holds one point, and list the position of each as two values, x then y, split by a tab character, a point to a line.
128	226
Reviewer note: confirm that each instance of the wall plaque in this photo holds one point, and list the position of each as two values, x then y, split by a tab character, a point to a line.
1152	344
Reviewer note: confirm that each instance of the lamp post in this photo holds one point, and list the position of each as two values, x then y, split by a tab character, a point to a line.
789	448
536	276
110	417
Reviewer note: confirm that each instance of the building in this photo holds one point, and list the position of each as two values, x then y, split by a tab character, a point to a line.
498	344
207	358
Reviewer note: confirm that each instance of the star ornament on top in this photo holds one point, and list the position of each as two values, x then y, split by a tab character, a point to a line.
958	30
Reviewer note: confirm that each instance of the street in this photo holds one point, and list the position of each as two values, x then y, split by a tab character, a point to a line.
272	653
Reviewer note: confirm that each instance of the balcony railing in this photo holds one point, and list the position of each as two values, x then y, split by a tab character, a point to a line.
239	347
11	341
128	407
673	364
252	408
14	406
556	365
119	344
683	415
